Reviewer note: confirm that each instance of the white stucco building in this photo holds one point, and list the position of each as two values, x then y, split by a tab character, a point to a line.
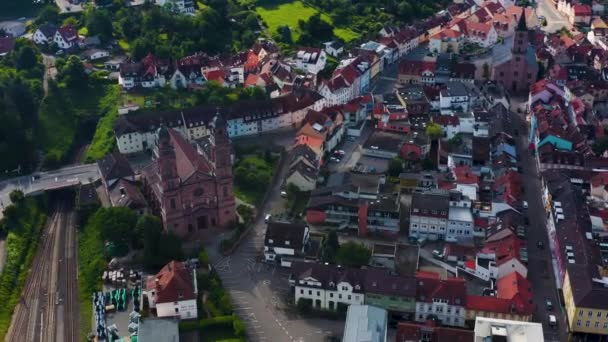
172	292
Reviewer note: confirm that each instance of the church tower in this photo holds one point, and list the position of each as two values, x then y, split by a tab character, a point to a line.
165	160
522	36
222	157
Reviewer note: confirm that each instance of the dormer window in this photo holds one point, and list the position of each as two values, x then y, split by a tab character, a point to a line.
287	243
357	287
331	284
270	241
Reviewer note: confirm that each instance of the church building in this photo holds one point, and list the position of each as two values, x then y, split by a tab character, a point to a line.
189	185
518	71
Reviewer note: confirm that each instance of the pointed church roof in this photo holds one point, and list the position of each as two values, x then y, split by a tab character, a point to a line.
521	25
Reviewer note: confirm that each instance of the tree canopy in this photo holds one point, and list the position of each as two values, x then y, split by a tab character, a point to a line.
353	254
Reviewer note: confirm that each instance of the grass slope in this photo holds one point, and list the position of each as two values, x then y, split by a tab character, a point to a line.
290	13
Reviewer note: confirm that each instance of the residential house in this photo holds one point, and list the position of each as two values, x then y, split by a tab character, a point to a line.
178	6
311	60
95	54
414	100
66	37
360	203
172	292
365	323
146	74
459	97
513	300
333	48
460	218
303	168
114	167
483	34
429	214
285	242
135	132
330	287
415	71
444	299
45	34
447	40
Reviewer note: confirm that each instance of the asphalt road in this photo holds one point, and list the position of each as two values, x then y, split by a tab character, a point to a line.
55	179
540	269
555	20
259	291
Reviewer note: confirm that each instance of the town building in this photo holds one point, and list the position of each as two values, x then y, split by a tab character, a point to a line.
429	214
517	69
285	242
172	291
365	323
311	60
334	287
66	37
136	132
444	299
45	34
177	6
360	203
493	329
431	331
190	185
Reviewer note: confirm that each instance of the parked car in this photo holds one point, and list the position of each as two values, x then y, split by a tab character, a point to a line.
540	245
525	204
283	194
267	218
437	254
549	305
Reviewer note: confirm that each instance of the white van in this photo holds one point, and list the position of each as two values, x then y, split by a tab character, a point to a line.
267	218
552	321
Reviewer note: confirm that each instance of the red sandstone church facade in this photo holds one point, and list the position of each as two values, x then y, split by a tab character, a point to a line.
190	185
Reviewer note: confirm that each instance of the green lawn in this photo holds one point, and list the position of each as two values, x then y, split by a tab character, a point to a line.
290	13
346	34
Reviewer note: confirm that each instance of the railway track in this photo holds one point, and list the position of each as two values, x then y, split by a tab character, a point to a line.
48	309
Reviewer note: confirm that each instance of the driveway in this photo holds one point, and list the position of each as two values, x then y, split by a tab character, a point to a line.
555	20
540	264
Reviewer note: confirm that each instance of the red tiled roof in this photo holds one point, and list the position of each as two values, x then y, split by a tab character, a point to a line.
599	179
446	120
410	331
215	75
464	175
187	159
582	10
517	289
68	33
251	80
430	286
172	284
504	249
447	33
416	67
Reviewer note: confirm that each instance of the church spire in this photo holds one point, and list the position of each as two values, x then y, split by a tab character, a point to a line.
521	25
